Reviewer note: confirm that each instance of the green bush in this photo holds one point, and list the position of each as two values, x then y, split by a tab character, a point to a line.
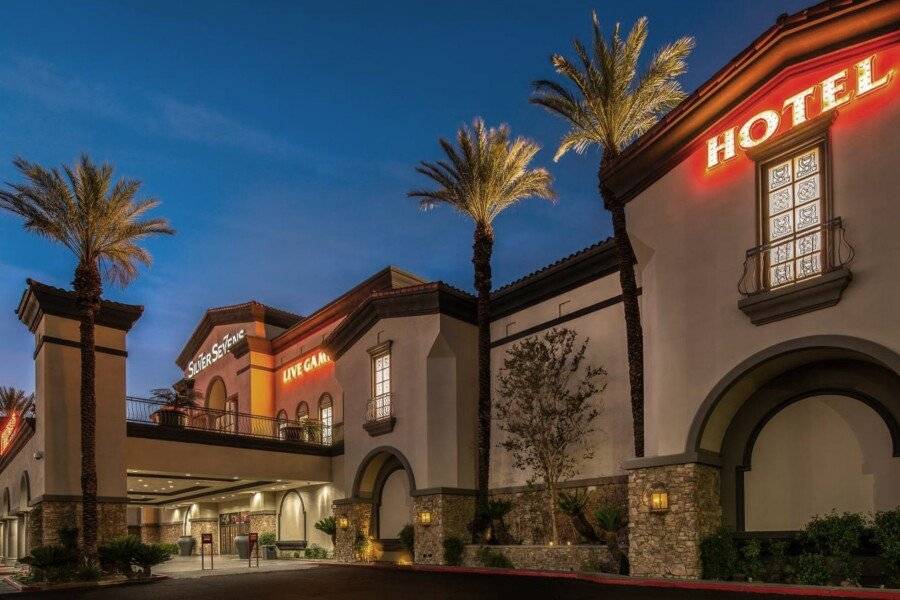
813	569
53	563
118	554
751	560
315	551
267	538
327	525
147	556
719	555
453	551
172	549
88	570
839	538
779	567
493	558
887	537
407	538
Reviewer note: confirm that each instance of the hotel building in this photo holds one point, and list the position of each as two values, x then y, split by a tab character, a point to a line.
763	216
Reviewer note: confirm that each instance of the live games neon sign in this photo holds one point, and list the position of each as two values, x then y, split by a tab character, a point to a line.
304	366
831	92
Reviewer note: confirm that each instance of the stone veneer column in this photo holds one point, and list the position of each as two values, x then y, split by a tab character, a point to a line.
262	521
667	544
359	515
451	514
53	316
205	525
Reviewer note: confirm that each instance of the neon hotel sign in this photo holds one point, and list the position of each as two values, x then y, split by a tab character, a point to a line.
216	352
304	366
831	92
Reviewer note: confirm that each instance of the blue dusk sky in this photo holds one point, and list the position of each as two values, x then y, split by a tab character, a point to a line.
281	138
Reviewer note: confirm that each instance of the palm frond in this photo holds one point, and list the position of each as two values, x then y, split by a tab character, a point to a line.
607	103
81	207
484	173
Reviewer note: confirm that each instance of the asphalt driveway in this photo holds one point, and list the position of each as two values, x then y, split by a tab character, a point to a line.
345	583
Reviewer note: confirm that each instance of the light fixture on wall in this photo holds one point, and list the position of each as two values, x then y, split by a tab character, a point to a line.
343	522
657	498
425	518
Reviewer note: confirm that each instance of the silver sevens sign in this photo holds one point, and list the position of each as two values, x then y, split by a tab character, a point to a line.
830	93
217	351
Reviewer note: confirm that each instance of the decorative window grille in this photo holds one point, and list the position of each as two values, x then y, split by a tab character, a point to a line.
380	408
326	413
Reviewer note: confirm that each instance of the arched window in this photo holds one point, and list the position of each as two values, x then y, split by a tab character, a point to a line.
302	411
326	414
281	420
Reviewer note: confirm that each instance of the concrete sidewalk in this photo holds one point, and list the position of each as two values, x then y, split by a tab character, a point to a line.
186	567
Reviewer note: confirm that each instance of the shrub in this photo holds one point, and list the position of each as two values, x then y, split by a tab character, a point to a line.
453	551
88	570
407	538
719	555
172	549
887	537
147	556
812	569
493	558
752	563
838	537
315	551
118	554
573	505
68	537
267	538
53	563
327	525
779	567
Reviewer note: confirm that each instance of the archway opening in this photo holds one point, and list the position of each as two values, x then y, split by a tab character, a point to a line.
292	518
817	455
386	478
216	394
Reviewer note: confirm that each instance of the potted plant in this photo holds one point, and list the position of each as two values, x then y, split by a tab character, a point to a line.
186	545
328	525
267	541
177	401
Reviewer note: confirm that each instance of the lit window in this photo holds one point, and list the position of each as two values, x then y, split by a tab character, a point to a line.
794	210
326	416
380	407
302	411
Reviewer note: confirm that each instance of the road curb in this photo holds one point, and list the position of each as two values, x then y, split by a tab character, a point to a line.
684	584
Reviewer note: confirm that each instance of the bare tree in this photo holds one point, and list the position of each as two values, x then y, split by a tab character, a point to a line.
546	409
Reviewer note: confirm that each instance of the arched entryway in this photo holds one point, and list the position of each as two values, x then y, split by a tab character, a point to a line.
386	478
803	428
216	394
292	517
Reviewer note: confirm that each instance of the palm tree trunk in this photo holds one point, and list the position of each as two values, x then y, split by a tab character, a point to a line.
88	289
482	249
634	333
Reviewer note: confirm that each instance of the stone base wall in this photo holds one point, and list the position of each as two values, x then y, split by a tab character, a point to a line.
550	558
210	525
450	517
359	515
149	533
49	516
170	532
264	521
35	526
667	544
529	520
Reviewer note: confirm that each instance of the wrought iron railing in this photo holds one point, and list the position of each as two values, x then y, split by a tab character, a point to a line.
379	408
153	412
834	249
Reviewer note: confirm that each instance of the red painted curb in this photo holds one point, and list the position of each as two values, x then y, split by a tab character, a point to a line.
687	584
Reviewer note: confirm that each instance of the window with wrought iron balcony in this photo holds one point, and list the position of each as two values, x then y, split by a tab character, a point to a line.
802	261
380	407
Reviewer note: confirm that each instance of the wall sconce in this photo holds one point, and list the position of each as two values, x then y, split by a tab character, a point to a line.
658	498
425	518
343	522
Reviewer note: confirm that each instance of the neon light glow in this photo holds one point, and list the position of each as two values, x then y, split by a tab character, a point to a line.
305	365
9	429
832	92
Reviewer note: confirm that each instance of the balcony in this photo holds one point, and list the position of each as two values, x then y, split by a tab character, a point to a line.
155	419
380	417
795	274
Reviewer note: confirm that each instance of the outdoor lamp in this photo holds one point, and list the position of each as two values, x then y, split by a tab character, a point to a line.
425	518
343	522
658	498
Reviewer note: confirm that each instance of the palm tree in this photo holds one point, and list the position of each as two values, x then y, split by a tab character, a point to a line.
103	225
486	174
13	400
609	107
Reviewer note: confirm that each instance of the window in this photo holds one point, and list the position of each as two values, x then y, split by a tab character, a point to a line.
302	412
794	210
380	408
326	414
